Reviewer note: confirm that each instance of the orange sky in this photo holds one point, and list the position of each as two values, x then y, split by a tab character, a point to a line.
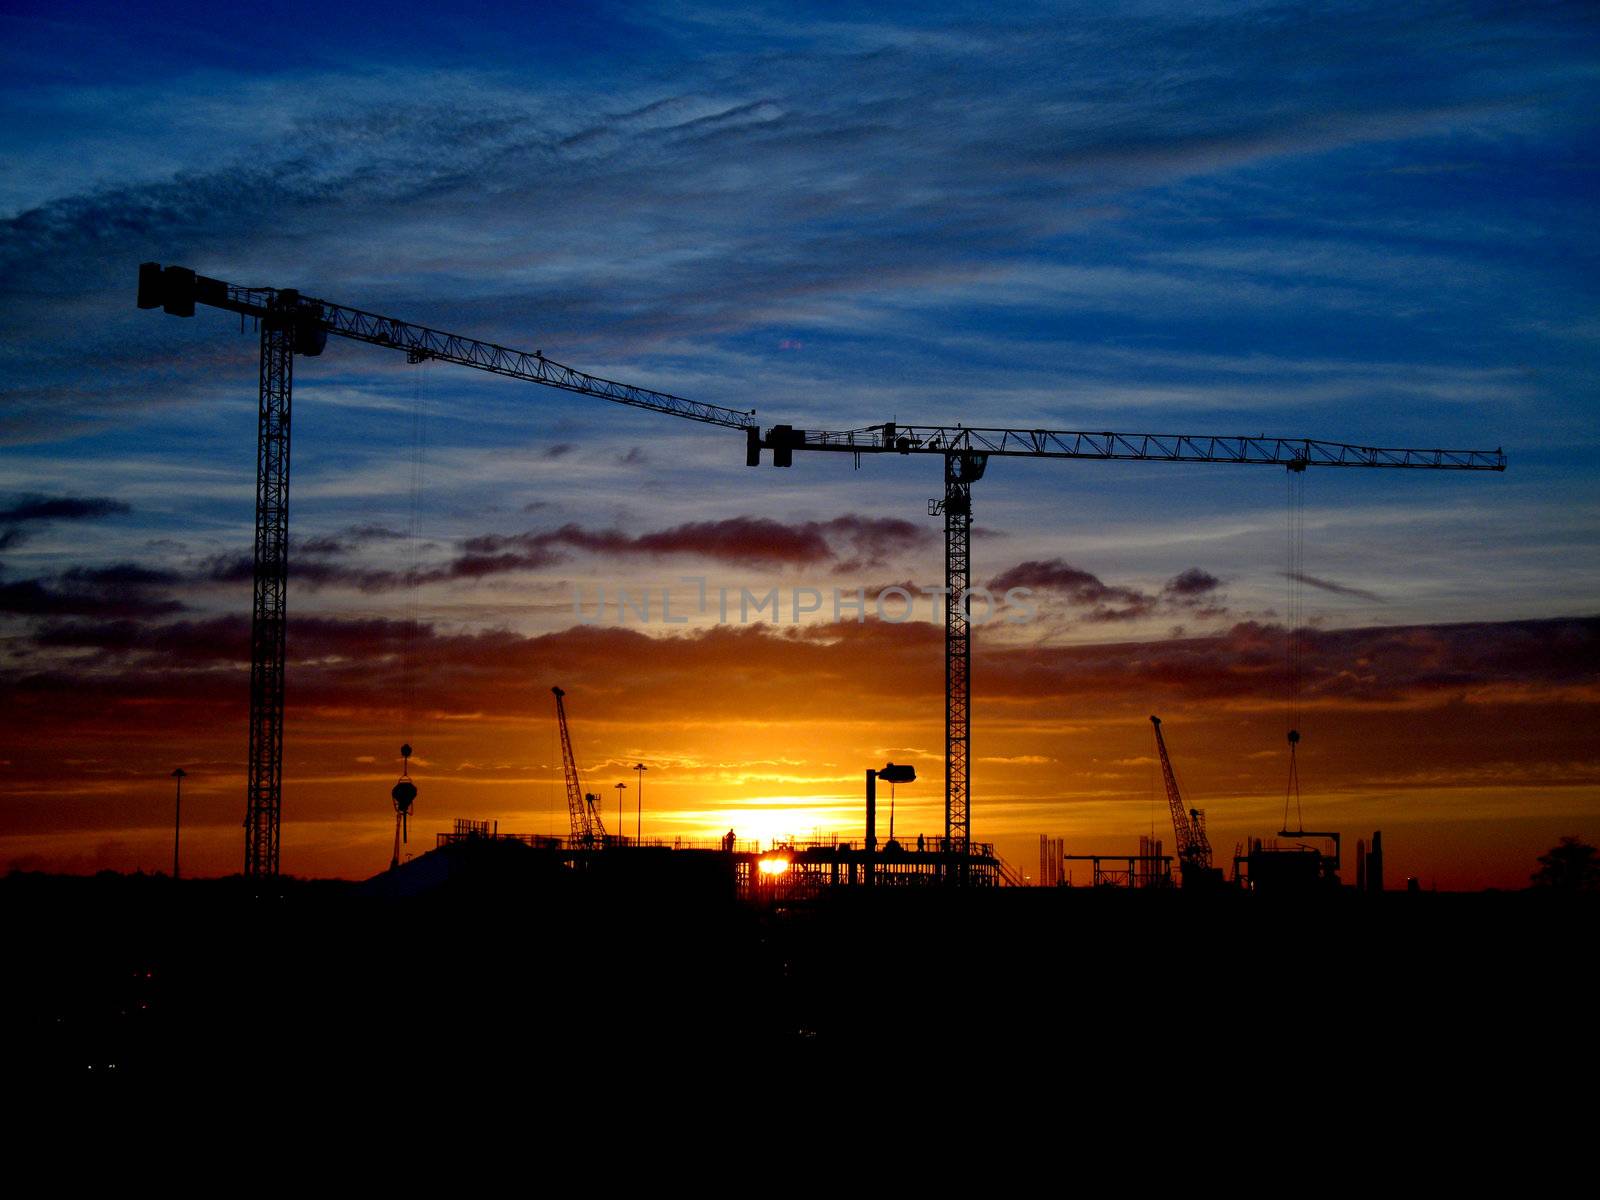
1268	221
1466	745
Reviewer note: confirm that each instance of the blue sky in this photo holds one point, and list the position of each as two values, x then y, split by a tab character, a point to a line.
1353	224
1363	222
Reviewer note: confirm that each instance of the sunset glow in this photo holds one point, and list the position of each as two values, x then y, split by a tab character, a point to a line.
1031	220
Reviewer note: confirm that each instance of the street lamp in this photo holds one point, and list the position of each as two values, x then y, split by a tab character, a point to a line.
891	774
621	837
177	817
638	800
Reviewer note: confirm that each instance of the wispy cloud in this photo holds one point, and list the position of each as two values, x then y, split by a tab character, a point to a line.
1338	589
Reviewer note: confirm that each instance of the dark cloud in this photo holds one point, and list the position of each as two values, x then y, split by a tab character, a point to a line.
1191	583
794	671
119	575
121	590
478	565
873	541
1074	584
33	510
845	543
848	542
745	541
347	540
225	639
63	508
1338	589
559	450
1192	591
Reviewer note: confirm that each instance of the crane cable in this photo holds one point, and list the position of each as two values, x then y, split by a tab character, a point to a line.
1294	635
409	638
419	437
404	792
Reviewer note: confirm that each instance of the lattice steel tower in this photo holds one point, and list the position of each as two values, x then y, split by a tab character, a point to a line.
268	619
961	471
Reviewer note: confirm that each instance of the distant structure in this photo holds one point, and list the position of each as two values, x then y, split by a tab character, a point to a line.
1375	863
404	793
1052	871
583	808
782	872
890	774
1152	868
178	776
1194	847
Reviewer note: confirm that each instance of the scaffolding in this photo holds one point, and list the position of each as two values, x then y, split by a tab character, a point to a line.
790	870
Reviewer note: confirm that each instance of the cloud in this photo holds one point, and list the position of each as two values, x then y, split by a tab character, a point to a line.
357	665
1193	591
842	544
347	540
63	508
1055	575
225	639
32	510
124	590
847	543
1338	589
120	575
729	199
1191	583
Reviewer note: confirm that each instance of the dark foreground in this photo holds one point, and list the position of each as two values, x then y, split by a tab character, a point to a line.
494	967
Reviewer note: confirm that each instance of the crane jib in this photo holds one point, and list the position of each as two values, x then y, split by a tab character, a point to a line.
179	289
963	440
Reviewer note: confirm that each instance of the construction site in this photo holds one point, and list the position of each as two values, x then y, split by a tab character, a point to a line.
862	938
294	326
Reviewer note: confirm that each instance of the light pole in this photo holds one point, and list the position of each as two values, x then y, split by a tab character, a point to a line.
891	775
638	800
621	787
177	817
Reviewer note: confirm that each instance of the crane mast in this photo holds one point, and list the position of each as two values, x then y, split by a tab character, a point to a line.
582	810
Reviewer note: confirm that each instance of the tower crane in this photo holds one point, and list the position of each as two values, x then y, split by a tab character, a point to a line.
966	452
292	323
1194	847
583	808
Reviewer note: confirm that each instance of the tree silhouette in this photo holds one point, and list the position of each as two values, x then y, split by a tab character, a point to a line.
1571	866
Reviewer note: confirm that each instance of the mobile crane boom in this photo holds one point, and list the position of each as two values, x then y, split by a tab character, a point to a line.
1189	824
581	808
